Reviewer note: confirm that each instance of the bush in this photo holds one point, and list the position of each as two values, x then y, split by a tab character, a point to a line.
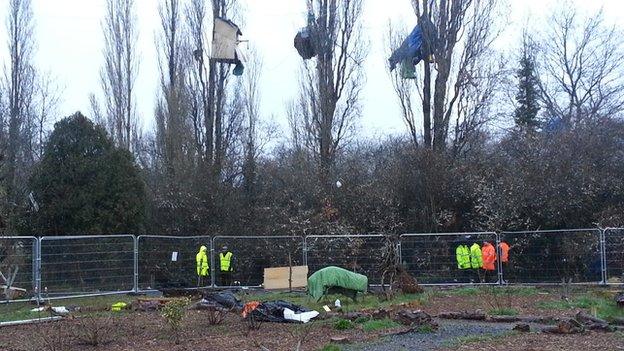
343	324
93	330
174	312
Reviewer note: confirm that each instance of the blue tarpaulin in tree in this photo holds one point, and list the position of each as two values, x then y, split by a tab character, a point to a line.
410	49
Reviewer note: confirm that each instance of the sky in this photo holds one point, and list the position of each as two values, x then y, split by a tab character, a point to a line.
70	42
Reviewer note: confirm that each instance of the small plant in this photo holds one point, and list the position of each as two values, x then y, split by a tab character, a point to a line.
174	312
215	316
360	320
343	324
93	330
425	329
331	347
504	312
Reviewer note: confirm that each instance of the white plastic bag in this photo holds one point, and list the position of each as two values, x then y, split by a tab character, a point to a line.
304	317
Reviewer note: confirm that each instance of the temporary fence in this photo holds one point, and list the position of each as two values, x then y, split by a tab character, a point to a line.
358	253
170	261
432	258
52	267
251	255
18	267
614	255
79	265
554	256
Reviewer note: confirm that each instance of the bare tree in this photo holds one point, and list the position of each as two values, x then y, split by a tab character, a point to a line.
329	98
458	34
19	91
47	100
120	70
405	90
172	109
581	72
251	145
216	107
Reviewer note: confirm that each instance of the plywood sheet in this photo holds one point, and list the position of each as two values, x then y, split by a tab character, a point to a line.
277	278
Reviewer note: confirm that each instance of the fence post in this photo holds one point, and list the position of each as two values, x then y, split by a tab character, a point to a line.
213	271
305	250
38	269
603	255
499	263
399	255
136	263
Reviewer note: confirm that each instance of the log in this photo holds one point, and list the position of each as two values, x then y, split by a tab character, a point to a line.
601	327
570	326
477	315
539	319
505	319
522	327
415	319
589	319
618	321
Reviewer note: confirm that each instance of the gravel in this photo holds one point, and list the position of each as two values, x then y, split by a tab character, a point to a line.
448	332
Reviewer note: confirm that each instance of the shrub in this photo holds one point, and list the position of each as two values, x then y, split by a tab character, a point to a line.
174	312
343	324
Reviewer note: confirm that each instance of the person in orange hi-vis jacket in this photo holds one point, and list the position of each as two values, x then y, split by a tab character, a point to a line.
488	253
504	251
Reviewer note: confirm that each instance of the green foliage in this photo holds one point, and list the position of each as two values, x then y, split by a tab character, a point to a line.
85	185
343	324
331	347
379	324
425	329
527	95
504	311
603	307
360	320
174	312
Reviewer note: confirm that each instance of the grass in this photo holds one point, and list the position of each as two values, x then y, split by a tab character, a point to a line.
21	311
379	324
603	307
505	311
331	347
492	290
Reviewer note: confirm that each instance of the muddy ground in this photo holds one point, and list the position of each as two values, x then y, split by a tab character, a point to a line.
149	331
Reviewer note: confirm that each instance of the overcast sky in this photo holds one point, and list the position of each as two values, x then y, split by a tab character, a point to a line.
70	49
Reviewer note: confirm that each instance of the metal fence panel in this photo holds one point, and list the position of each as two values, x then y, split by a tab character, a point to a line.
614	255
358	253
432	259
169	261
252	254
18	259
77	265
552	256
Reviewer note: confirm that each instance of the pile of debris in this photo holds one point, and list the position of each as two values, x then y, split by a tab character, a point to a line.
579	324
7	290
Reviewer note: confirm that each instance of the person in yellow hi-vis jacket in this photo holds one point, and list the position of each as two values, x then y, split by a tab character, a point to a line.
203	268
226	266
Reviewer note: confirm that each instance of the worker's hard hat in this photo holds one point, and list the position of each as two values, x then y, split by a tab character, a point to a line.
224	247
203	248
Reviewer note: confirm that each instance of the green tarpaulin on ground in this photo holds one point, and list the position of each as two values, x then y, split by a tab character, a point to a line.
331	277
